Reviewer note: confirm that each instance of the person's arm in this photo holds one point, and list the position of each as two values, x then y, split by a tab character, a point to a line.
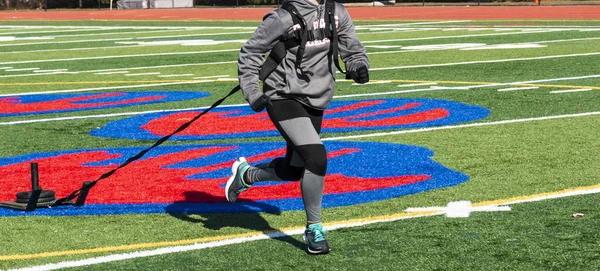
353	53
252	54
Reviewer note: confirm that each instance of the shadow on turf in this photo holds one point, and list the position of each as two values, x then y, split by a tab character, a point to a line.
246	218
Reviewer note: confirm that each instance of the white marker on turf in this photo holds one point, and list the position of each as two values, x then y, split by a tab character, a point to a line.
460	209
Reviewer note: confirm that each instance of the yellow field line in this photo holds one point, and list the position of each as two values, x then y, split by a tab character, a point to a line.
557	86
535	197
201	240
435	81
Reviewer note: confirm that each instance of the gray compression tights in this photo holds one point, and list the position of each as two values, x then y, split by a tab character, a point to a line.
305	159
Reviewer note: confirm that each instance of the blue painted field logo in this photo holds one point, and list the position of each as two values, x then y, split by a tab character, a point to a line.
59	103
342	116
190	178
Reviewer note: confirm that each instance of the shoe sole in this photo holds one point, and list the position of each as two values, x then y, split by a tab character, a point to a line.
234	169
314	252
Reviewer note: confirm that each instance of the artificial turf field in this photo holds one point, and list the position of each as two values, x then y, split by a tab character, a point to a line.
535	150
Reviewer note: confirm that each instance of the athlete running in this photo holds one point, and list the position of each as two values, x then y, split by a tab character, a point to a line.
295	95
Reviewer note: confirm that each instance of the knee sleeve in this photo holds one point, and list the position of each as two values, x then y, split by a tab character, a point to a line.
315	158
285	171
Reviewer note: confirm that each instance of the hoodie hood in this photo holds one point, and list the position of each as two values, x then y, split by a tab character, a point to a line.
302	5
308	9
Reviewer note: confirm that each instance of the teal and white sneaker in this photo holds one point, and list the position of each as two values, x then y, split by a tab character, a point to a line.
314	235
235	184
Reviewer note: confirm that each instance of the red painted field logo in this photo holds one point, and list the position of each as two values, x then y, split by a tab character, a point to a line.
59	103
342	116
191	178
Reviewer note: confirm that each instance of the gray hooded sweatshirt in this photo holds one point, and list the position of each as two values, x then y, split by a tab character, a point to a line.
314	84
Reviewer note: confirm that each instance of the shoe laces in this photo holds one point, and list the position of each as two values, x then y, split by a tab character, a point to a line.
319	232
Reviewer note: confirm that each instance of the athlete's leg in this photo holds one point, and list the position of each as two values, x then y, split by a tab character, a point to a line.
305	159
291	166
287	168
300	127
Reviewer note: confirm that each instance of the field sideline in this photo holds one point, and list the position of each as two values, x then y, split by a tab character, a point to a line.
501	113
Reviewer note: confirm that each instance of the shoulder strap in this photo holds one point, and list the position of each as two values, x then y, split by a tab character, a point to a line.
333	51
301	34
279	51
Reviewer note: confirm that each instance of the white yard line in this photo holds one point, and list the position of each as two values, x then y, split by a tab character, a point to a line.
141	74
483	61
432	88
467	36
106	88
519	88
107	73
112	115
123	27
451	48
177	75
74	49
64	42
415	23
56	70
93	34
122	39
380	93
567	40
49	31
117	33
136	68
571	90
118	56
484	206
451	127
61	72
23	69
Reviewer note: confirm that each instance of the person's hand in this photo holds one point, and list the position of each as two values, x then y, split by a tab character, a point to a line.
360	75
260	103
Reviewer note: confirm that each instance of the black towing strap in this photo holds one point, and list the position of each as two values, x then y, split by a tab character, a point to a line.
87	185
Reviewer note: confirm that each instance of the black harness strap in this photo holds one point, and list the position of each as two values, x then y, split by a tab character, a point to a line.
333	51
275	57
279	51
87	185
298	19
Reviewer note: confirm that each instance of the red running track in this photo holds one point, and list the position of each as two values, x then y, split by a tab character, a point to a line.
357	13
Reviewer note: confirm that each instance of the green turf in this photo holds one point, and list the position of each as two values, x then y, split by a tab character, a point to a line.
532	236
